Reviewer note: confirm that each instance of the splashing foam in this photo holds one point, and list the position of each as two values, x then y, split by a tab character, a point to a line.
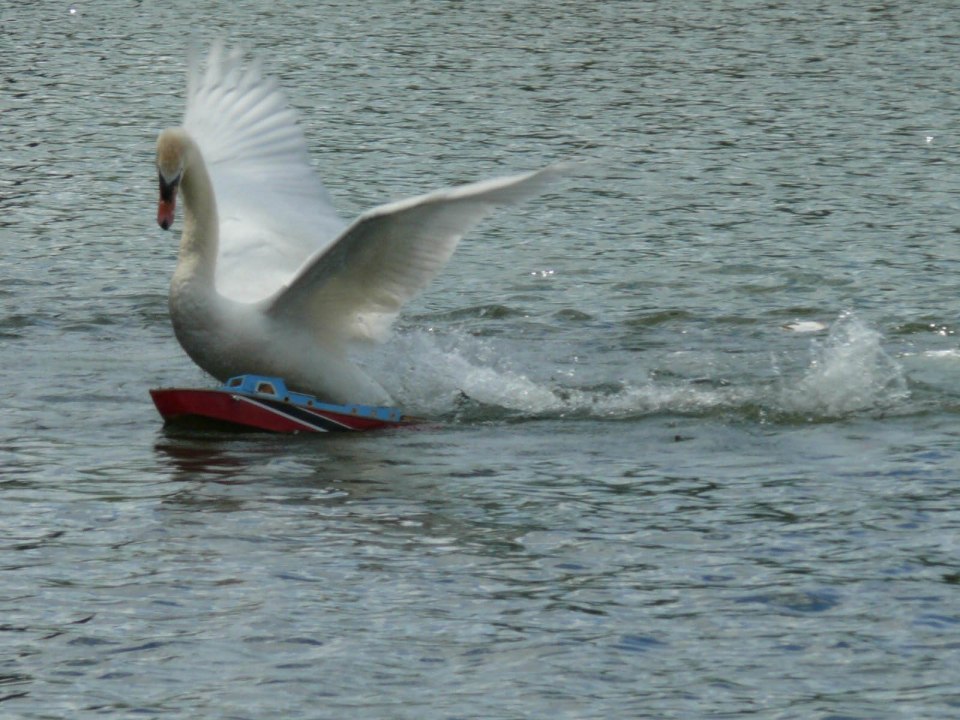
442	375
849	373
439	373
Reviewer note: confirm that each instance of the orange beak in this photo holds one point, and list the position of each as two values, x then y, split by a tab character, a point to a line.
168	202
165	210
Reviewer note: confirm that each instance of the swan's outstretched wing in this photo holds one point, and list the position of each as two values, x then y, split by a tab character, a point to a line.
274	212
355	287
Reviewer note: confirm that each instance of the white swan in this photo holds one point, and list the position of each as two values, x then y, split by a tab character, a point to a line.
268	279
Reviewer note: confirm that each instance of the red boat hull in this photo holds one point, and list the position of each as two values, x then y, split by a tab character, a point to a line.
257	413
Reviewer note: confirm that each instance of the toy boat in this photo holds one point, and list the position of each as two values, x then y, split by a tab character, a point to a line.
260	402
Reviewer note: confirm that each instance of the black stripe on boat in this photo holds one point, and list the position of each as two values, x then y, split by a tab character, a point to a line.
292	412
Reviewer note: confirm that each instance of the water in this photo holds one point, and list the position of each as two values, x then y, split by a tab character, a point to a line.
695	450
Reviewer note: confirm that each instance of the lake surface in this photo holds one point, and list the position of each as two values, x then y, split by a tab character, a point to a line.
695	449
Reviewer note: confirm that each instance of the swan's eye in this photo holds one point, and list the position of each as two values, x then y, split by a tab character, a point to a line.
168	190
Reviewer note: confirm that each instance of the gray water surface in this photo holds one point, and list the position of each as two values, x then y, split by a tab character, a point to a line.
650	487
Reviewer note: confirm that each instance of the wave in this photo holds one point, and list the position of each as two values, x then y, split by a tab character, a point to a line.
849	373
846	372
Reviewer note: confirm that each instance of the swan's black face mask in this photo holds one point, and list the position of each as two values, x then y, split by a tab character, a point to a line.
168	201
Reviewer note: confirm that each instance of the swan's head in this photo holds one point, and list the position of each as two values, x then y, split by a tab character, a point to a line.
171	156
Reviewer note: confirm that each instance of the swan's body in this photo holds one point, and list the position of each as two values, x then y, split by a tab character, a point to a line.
268	279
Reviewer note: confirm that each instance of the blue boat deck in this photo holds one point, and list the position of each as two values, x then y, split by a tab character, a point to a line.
274	388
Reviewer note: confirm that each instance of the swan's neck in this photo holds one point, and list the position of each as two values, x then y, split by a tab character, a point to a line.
199	242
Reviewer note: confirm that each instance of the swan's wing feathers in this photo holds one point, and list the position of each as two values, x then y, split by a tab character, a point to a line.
274	211
239	117
356	286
